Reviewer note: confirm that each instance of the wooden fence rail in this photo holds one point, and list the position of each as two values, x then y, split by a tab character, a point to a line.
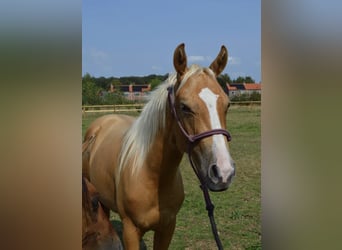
117	108
246	103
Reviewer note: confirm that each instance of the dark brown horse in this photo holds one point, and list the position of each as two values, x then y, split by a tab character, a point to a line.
97	231
134	162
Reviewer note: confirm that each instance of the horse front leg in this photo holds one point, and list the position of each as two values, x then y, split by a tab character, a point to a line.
163	236
131	235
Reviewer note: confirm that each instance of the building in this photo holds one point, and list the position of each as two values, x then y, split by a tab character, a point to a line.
133	92
237	89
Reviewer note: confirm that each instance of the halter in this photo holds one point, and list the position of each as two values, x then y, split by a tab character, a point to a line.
192	141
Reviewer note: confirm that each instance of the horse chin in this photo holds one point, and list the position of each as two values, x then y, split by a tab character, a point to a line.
218	187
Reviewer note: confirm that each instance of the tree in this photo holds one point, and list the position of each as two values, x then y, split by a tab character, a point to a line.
249	79
90	93
155	82
103	82
255	96
226	78
223	80
116	83
114	98
240	79
87	78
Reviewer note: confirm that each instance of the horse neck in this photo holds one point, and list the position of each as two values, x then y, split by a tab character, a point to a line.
164	155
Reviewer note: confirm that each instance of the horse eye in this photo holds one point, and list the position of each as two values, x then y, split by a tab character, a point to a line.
185	109
95	203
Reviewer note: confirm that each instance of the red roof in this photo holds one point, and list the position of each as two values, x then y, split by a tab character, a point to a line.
252	86
231	87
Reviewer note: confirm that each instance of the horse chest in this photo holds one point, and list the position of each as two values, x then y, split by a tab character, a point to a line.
154	217
150	208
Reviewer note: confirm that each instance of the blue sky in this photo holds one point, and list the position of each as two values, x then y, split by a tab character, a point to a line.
137	38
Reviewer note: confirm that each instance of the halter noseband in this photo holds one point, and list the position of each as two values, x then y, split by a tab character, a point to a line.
192	140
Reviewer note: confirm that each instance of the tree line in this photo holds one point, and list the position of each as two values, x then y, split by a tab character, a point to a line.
95	89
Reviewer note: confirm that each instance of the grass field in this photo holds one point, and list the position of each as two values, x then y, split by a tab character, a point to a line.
237	210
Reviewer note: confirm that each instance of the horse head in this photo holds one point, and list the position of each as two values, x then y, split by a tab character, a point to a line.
97	231
200	106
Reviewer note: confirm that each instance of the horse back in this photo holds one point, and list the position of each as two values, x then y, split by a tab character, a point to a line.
100	150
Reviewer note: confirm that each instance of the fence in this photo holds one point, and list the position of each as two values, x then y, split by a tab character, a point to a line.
246	103
117	108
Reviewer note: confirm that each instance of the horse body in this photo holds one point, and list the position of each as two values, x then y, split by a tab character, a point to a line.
133	163
103	140
146	201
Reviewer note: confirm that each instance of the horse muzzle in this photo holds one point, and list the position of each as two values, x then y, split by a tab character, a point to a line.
215	179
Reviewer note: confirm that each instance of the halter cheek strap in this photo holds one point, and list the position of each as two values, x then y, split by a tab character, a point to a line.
192	140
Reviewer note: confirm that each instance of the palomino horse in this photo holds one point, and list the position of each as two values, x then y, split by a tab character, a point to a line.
97	231
134	163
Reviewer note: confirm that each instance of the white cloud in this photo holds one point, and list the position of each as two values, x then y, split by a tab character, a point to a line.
99	61
234	60
199	59
98	57
236	74
194	59
154	67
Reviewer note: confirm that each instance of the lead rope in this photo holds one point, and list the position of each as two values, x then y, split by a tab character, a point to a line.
210	208
209	205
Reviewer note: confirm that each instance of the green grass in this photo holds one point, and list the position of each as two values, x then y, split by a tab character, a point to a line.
237	210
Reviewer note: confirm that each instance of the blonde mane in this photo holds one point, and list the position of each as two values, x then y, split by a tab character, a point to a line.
139	137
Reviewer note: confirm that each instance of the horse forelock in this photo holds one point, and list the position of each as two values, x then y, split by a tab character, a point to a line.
139	137
193	70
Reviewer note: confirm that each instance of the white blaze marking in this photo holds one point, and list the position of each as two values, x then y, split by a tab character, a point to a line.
219	147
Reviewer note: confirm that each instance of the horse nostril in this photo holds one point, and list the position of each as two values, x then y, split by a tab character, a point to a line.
214	173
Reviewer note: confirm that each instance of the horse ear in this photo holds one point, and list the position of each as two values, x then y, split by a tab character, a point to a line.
179	60
220	62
